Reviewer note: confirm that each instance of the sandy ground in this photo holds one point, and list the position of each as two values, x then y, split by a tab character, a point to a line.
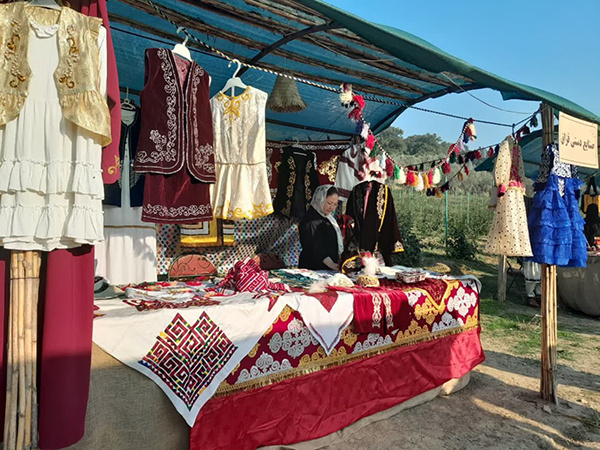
501	407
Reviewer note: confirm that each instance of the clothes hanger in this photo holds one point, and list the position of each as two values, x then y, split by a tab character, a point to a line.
50	4
181	49
127	104
234	81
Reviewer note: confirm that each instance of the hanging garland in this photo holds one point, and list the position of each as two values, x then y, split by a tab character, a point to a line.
416	175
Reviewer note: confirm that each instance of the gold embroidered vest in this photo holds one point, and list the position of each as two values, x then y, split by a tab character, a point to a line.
77	76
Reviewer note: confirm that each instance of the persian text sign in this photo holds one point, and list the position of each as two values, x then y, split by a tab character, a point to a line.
577	141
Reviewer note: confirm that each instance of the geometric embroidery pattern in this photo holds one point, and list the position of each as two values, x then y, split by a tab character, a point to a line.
187	358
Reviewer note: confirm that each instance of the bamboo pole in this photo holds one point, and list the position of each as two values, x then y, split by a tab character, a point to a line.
548	388
501	294
20	423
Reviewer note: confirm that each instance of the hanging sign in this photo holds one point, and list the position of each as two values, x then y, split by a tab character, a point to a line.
577	141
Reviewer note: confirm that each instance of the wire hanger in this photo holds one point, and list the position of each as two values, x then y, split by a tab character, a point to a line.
50	4
127	104
181	49
234	81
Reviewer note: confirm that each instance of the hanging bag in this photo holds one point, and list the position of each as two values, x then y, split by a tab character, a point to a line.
588	198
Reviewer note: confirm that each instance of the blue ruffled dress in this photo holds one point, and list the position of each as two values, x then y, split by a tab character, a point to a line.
555	224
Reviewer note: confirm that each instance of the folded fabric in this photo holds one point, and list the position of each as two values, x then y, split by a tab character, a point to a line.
247	276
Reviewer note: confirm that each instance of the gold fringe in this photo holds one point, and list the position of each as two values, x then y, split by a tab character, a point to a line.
333	361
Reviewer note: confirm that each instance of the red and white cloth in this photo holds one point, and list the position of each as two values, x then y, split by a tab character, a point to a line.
247	276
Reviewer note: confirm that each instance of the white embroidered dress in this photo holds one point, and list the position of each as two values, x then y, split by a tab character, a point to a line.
242	187
51	185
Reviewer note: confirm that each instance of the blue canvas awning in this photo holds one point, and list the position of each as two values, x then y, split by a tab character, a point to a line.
315	41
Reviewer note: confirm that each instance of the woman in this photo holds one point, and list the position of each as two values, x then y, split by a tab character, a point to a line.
592	224
320	234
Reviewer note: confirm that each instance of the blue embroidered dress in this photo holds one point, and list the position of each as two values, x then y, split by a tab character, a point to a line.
555	224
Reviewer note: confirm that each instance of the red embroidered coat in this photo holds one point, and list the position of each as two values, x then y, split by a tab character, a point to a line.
176	120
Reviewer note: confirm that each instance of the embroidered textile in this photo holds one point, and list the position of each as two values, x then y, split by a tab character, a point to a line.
371	206
242	188
77	76
351	169
247	276
298	180
215	233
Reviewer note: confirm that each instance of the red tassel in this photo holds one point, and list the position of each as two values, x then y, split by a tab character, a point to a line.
467	170
389	167
355	114
430	175
370	142
490	152
446	168
410	178
456	149
477	154
360	102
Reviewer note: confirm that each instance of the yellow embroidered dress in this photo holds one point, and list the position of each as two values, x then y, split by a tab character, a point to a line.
51	185
242	187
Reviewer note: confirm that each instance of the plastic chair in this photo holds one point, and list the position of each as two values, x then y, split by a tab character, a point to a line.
517	277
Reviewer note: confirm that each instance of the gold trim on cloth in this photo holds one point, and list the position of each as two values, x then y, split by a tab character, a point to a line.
320	361
262	210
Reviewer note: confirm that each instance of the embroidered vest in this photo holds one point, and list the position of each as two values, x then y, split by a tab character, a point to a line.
176	127
77	76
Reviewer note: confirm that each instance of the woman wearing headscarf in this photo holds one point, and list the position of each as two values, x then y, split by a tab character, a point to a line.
320	234
591	228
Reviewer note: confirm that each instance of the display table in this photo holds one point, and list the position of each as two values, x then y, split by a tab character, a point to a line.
291	385
579	288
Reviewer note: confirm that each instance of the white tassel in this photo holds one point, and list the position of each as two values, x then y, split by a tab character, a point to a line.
402	177
437	176
365	131
420	186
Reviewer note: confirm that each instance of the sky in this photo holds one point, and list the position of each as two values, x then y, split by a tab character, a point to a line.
550	44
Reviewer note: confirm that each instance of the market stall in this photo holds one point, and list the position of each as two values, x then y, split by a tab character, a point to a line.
185	157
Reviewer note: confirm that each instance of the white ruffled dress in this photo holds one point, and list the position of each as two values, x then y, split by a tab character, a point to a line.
51	186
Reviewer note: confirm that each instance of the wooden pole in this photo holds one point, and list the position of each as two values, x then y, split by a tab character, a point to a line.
501	295
20	422
549	296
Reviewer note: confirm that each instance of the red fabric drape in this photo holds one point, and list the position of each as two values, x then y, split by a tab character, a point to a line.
65	335
318	404
110	156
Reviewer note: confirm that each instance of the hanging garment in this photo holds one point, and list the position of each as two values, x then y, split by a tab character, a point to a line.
110	159
175	147
555	224
130	133
298	180
509	234
66	301
51	186
242	188
215	233
351	169
371	206
128	253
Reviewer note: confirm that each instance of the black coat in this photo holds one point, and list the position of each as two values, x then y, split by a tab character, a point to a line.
319	241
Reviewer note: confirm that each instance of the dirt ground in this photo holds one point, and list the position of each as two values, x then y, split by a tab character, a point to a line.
501	407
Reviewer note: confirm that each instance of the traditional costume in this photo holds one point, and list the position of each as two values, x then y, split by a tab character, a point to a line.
509	234
175	147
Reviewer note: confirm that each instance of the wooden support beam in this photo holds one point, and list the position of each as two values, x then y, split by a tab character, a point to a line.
501	295
548	387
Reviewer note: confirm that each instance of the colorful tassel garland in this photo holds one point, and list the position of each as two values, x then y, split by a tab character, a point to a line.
410	178
355	114
359	126
396	173
452	158
467	169
430	177
446	167
478	154
429	192
469	166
